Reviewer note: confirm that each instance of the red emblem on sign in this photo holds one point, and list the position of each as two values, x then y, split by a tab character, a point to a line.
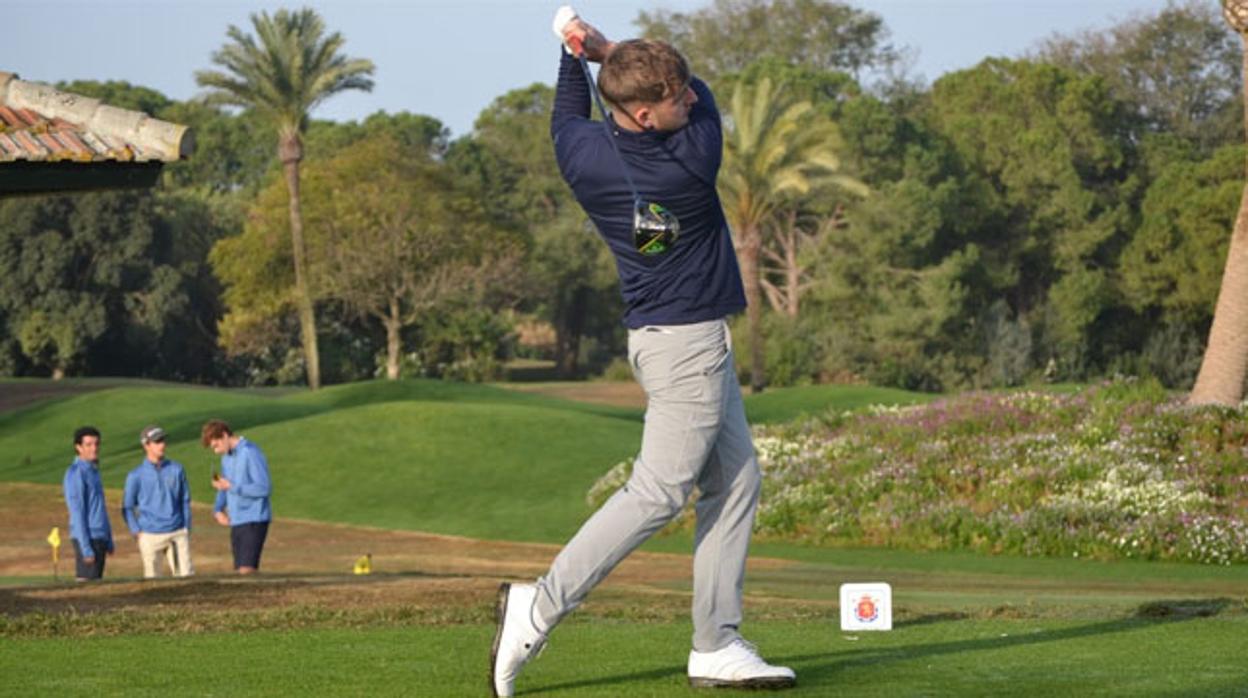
866	610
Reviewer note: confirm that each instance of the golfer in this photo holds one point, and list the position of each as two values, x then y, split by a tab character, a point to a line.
668	133
243	489
157	508
89	528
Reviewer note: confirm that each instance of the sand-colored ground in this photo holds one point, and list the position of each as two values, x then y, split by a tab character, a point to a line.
306	565
615	393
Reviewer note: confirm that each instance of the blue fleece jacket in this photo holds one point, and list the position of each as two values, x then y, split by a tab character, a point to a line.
84	498
248	497
697	279
157	499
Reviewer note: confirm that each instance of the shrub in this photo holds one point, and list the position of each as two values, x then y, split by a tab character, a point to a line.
1118	470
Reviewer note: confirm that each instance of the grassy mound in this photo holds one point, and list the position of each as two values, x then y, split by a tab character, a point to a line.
444	457
423	455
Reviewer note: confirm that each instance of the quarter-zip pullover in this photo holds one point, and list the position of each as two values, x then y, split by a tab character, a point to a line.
157	499
248	472
697	279
84	498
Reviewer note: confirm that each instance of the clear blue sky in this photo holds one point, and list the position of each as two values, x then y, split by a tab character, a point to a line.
450	59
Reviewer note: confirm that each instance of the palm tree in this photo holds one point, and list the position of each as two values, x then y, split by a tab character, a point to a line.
774	149
1225	365
292	69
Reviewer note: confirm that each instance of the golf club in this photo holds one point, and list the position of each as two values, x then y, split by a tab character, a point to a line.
655	228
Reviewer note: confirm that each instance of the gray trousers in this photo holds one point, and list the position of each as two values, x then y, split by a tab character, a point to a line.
695	434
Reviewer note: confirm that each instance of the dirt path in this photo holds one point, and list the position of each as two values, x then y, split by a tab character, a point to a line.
306	565
614	393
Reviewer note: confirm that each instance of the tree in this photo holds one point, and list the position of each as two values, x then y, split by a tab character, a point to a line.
400	238
102	283
1050	158
774	149
419	135
292	69
730	34
1178	71
392	236
1172	265
787	259
1222	372
510	163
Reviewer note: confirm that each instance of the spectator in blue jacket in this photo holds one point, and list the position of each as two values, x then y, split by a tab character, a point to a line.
89	528
243	490
666	129
157	508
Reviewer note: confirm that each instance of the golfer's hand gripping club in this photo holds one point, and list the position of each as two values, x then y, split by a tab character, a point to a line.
564	17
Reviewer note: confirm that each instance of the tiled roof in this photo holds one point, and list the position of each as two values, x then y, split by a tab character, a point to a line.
42	124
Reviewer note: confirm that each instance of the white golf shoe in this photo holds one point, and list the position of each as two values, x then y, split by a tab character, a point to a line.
516	640
737	666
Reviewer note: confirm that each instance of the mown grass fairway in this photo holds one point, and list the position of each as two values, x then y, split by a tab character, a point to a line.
1132	657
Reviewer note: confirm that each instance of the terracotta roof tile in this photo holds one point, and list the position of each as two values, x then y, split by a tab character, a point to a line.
29	147
8	149
40	123
11	120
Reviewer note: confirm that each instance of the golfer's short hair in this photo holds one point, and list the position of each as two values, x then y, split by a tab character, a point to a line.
642	70
214	429
83	432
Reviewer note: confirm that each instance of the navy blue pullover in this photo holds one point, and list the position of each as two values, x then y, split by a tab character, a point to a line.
697	279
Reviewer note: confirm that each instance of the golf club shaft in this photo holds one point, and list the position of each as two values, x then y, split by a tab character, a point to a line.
579	49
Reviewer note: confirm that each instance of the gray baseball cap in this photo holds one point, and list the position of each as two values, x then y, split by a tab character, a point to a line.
151	433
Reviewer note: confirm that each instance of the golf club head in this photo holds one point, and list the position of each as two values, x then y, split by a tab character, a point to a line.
655	228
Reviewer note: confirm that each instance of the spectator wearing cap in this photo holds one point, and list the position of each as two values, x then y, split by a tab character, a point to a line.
243	489
157	508
89	528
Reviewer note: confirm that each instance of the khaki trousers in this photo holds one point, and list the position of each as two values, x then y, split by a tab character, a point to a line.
695	435
174	546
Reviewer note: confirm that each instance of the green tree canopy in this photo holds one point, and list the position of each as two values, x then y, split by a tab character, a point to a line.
1177	71
509	161
1052	152
728	35
108	283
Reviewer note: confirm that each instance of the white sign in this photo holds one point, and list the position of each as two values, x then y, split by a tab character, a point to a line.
866	606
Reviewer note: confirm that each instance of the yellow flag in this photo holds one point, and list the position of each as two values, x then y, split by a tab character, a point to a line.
54	540
364	565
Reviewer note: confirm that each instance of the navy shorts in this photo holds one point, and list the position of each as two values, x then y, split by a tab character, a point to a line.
95	570
247	540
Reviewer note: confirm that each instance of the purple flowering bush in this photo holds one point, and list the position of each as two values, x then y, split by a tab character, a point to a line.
1118	470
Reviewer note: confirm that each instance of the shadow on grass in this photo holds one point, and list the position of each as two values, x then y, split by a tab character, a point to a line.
649	675
822	668
1183	608
930	619
1147	615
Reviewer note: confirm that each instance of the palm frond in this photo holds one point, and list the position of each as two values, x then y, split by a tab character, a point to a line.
776	148
284	69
